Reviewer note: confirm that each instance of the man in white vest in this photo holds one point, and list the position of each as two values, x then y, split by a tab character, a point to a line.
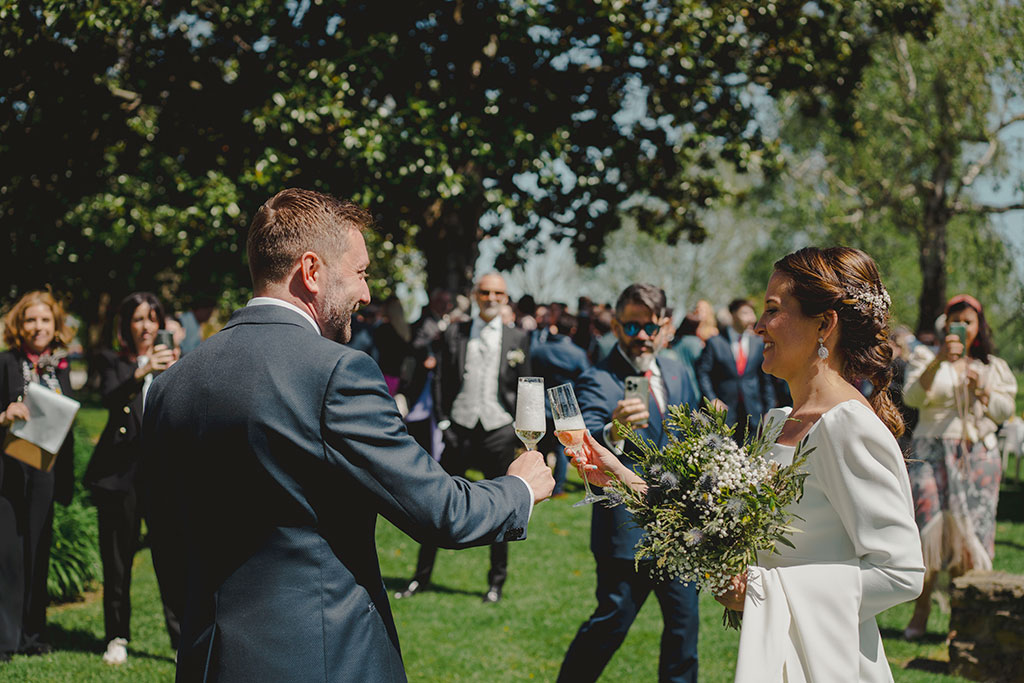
475	383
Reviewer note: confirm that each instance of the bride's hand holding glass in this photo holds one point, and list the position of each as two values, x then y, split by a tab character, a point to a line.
600	466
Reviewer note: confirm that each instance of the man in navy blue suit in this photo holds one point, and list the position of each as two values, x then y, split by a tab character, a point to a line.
271	450
729	369
559	361
640	326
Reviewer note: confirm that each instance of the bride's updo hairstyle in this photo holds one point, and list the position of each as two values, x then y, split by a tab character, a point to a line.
846	280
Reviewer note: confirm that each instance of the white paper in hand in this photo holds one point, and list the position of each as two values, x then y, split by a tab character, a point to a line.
51	417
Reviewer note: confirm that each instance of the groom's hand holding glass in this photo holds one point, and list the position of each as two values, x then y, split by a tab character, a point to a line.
532	468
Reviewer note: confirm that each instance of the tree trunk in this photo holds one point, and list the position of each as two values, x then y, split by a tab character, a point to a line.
932	258
451	245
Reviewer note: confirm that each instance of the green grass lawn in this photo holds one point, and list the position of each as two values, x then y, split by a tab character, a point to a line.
450	635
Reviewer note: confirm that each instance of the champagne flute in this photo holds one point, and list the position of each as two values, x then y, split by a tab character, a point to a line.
570	428
530	423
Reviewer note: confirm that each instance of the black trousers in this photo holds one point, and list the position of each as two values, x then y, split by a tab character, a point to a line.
26	532
120	520
491	452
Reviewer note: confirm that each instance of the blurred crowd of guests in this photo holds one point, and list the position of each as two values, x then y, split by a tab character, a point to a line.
453	374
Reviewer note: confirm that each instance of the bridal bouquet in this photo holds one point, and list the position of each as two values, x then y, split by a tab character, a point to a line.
711	504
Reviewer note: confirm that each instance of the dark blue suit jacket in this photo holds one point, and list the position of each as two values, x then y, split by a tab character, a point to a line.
272	450
613	533
718	378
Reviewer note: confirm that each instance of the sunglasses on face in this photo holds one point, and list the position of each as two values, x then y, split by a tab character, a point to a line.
488	292
633	329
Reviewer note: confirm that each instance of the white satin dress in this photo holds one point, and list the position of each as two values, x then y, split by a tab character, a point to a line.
810	612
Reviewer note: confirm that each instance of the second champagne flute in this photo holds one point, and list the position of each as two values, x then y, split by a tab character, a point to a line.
570	429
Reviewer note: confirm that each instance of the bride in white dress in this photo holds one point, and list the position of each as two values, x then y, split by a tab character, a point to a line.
809	611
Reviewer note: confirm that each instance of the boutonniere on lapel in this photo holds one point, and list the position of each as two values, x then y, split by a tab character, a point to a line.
515	357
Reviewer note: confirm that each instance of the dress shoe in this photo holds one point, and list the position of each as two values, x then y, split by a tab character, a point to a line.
412	589
493	594
913	633
117	652
38	649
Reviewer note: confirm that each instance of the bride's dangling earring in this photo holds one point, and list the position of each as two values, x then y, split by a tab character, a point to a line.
822	351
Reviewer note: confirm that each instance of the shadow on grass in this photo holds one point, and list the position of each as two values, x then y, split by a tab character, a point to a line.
139	654
931	666
1010	544
80	640
926	639
394	584
74	640
1011	503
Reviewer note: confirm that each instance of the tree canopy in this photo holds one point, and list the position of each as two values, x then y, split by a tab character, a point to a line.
137	138
930	119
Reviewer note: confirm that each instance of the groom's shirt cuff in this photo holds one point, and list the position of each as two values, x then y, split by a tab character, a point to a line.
529	489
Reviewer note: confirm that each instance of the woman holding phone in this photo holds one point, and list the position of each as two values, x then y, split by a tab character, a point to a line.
963	392
125	377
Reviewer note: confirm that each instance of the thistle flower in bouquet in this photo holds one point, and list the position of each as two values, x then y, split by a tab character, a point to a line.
710	505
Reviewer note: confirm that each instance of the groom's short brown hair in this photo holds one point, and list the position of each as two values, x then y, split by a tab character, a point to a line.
294	221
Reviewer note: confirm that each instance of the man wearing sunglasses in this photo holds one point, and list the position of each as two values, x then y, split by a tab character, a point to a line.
640	327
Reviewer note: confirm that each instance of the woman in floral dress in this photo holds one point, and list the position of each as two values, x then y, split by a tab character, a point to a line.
963	392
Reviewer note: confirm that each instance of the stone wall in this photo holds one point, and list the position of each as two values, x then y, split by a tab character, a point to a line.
986	627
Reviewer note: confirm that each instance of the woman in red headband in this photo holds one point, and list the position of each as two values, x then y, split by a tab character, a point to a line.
964	393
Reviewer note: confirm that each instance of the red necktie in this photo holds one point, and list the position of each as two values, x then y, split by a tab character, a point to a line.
741	358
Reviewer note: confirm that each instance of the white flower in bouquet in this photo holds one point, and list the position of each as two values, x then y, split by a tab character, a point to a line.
710	505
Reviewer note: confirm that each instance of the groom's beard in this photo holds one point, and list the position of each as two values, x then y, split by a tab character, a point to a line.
337	317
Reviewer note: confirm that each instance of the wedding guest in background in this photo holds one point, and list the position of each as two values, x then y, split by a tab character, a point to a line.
901	342
963	392
36	334
477	379
604	338
363	323
622	585
125	377
559	361
694	331
176	329
508	316
426	337
192	322
525	309
729	369
391	338
584	335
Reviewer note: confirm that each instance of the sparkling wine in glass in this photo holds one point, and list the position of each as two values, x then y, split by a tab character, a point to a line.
570	429
530	424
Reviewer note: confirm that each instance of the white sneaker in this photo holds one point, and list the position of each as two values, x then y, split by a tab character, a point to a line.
117	651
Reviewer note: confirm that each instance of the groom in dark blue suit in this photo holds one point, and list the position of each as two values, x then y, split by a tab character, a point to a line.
271	450
640	325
